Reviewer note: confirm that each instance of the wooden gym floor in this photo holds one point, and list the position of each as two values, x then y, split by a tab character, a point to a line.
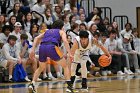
114	84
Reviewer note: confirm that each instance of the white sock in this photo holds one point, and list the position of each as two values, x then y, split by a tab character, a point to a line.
61	70
58	74
10	76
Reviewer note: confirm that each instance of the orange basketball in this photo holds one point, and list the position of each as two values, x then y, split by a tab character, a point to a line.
104	61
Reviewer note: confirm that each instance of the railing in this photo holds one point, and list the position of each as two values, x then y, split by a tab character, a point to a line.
106	12
39	15
88	5
121	20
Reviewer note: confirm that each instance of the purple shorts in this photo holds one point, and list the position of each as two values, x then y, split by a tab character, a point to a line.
51	51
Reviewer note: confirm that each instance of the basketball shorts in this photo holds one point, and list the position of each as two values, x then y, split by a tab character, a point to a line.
51	51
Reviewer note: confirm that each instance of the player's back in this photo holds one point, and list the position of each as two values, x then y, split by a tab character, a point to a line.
52	35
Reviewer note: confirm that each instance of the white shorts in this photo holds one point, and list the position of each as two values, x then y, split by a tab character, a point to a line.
4	63
78	57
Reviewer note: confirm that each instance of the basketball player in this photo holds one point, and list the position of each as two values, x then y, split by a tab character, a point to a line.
49	47
80	49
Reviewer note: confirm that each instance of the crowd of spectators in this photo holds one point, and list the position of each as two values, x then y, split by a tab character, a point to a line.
22	20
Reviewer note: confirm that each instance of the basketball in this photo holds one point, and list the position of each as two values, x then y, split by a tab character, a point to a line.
104	61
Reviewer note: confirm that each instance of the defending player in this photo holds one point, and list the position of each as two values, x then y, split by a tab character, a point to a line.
49	47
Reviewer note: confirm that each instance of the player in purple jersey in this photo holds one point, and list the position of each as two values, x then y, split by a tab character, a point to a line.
49	48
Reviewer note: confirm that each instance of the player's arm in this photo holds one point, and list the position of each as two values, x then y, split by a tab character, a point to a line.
74	47
37	40
95	41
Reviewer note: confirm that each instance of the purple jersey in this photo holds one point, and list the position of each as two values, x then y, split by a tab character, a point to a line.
52	35
50	46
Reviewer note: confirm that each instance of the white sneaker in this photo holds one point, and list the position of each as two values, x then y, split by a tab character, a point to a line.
109	72
127	72
130	72
120	73
53	78
39	79
61	76
27	79
104	73
137	71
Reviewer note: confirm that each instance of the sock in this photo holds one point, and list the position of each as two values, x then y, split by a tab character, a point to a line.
10	76
61	70
58	74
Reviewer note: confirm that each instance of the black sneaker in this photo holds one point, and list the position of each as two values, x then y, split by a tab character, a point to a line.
31	88
84	87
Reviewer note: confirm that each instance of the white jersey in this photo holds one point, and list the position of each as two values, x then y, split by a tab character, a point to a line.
82	53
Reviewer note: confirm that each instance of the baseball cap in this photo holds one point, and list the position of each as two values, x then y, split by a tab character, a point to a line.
66	9
17	24
127	36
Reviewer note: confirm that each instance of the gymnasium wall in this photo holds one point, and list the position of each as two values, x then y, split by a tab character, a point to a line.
121	7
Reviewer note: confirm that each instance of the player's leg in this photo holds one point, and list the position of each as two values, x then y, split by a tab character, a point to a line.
84	75
36	75
67	74
73	71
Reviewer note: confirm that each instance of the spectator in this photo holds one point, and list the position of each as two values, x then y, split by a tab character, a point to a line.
57	12
128	29
81	19
96	11
71	4
6	63
12	20
16	12
6	30
24	46
2	20
27	22
17	30
34	31
112	46
11	51
48	17
131	55
67	25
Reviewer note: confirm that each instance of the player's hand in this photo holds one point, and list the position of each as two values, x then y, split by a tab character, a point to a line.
110	58
71	57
